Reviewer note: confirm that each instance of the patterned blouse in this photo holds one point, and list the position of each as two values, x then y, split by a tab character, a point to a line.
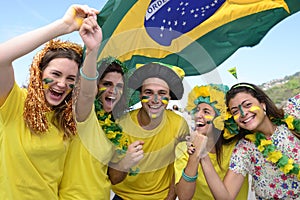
268	181
292	106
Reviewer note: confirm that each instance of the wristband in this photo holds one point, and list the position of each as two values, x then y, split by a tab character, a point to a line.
189	178
88	78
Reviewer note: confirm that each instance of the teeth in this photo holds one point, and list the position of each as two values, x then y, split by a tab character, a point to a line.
111	97
247	120
55	91
154	107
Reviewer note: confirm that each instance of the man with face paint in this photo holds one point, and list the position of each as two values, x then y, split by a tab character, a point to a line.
159	128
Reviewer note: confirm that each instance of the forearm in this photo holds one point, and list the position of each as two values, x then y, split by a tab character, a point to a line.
172	194
88	88
116	175
213	180
186	189
29	41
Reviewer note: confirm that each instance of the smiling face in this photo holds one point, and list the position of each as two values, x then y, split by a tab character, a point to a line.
247	111
111	87
204	115
156	93
59	79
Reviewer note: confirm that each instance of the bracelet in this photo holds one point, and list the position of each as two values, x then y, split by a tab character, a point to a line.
88	78
189	178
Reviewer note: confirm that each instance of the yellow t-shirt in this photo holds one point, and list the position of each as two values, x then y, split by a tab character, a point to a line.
156	168
85	173
202	191
31	166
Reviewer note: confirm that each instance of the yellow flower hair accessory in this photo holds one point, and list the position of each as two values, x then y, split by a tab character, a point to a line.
214	95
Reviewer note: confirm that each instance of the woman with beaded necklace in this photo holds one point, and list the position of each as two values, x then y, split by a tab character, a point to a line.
101	155
268	148
36	123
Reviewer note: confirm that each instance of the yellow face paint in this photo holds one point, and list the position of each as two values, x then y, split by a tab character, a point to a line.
153	116
145	99
235	117
165	100
102	89
208	117
46	82
254	108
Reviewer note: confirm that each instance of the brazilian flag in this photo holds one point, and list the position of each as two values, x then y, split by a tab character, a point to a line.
192	34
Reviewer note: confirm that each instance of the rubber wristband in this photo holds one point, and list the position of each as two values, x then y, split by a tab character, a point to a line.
88	78
189	178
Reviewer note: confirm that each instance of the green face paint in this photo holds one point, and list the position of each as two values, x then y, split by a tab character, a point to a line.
155	98
71	86
47	80
241	110
165	100
145	99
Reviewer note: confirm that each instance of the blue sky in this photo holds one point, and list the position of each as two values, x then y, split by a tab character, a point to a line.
276	56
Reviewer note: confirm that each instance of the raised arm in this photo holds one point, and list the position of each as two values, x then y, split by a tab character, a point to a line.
27	42
186	187
91	35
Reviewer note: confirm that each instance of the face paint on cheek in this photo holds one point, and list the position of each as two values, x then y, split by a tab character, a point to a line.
46	82
120	92
254	108
71	86
102	90
209	117
235	117
145	99
241	110
165	100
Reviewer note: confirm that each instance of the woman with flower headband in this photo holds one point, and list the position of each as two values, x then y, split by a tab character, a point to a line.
36	124
101	155
268	148
207	104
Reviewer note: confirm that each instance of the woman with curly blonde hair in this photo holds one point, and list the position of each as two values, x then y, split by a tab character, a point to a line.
36	124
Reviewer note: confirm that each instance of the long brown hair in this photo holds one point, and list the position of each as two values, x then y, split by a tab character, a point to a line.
272	111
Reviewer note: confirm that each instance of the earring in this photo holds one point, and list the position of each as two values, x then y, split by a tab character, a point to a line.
265	111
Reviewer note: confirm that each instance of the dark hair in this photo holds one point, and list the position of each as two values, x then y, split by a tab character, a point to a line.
59	111
272	111
114	66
